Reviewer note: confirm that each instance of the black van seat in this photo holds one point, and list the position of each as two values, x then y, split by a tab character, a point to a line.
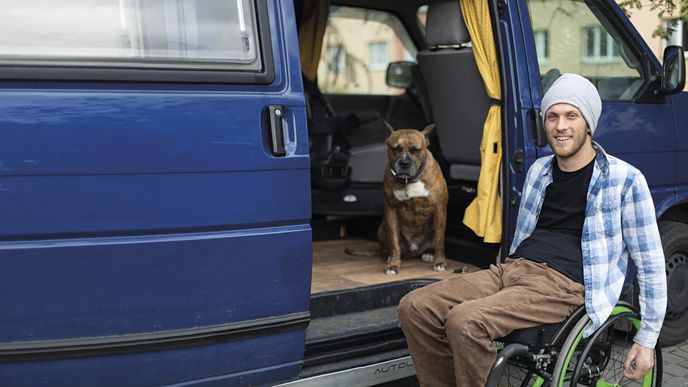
369	157
368	163
328	147
537	335
457	94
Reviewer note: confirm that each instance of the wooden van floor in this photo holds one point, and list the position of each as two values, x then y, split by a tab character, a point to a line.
334	269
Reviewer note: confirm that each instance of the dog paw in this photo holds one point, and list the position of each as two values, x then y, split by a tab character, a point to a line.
427	257
392	271
439	267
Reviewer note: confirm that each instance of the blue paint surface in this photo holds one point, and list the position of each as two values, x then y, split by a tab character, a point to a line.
144	208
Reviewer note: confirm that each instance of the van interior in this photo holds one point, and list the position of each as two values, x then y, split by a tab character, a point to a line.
397	62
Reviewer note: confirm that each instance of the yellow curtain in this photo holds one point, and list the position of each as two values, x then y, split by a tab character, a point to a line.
484	214
313	23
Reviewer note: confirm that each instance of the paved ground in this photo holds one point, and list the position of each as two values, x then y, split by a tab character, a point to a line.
676	365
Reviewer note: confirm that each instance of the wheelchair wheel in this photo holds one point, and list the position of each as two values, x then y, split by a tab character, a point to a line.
598	360
515	375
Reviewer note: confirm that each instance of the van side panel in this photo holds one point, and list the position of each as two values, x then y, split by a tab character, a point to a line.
680	104
103	287
641	133
242	362
149	236
644	136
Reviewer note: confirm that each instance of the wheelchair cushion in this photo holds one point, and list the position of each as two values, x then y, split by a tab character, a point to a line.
537	335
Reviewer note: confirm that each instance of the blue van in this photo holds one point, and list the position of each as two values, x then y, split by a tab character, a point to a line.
179	179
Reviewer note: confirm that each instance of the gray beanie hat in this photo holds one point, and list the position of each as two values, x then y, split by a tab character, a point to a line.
575	90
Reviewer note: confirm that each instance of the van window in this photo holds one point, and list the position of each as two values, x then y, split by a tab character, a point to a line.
574	36
202	34
357	47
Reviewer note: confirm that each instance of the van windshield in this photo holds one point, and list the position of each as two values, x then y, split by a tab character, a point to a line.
358	46
577	37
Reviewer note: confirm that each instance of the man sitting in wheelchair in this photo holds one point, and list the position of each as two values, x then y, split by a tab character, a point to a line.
582	214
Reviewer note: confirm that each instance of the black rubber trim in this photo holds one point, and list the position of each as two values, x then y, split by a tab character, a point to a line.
149	73
504	170
337	350
154	341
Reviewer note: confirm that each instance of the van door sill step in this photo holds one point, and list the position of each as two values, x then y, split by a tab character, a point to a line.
351	324
352	335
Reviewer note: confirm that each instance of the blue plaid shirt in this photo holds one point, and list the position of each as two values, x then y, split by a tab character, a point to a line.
620	221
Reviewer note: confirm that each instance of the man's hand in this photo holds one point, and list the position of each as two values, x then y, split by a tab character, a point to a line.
638	361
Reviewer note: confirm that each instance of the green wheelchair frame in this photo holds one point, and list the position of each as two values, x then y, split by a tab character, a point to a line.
570	360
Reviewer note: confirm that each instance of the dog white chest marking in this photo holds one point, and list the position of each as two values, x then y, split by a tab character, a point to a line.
413	190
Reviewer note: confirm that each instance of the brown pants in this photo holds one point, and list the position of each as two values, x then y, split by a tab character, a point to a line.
450	325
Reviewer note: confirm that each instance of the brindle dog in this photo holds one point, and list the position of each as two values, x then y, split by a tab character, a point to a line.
415	201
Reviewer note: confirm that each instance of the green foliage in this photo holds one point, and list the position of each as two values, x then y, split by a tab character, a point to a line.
670	10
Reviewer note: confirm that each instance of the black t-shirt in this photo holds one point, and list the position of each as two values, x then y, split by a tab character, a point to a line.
556	239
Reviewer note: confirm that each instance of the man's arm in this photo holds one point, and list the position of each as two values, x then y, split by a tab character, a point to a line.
641	237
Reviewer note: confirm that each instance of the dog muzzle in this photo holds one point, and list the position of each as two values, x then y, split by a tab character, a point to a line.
410	177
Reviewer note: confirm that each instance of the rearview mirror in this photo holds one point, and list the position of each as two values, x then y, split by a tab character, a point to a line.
399	75
673	70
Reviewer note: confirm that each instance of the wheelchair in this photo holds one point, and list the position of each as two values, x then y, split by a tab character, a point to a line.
558	355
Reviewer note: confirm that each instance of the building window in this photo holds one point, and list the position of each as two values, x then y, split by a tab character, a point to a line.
378	55
599	45
542	44
336	58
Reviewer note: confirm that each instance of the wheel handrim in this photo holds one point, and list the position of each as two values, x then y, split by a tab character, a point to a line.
601	361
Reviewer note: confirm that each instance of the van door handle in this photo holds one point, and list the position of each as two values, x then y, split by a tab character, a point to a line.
276	113
518	160
539	135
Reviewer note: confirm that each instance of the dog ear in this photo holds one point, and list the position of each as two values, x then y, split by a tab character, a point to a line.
390	129
428	129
